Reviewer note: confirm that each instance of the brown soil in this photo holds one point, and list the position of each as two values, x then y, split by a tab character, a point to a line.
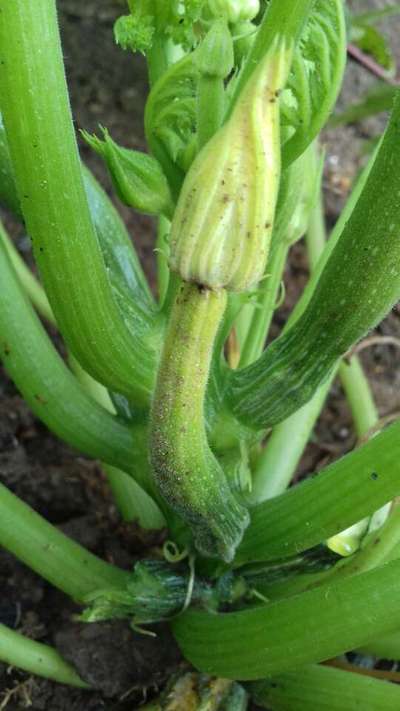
108	86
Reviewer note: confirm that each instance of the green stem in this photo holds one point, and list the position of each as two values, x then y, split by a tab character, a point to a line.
132	501
355	384
265	306
46	165
325	688
280	458
163	275
185	470
47	385
376	551
378	548
308	514
287	634
28	281
359	396
116	246
158	58
36	658
50	553
386	647
276	465
210	107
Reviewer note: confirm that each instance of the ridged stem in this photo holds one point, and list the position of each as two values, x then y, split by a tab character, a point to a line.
286	634
45	161
323	687
309	513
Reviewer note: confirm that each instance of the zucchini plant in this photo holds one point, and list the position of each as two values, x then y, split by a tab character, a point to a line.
198	426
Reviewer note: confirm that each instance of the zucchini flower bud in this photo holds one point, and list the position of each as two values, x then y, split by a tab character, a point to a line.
137	177
235	10
214	57
222	226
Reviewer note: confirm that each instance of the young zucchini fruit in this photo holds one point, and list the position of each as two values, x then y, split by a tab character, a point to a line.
184	468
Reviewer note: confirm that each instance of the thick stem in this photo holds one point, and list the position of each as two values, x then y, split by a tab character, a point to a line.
345	492
185	470
287	634
36	658
37	117
50	553
117	249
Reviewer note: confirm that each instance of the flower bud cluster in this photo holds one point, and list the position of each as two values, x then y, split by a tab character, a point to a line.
235	10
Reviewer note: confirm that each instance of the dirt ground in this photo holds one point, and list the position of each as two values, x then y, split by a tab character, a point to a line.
108	86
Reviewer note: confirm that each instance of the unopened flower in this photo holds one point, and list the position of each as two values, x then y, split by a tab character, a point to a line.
235	10
222	226
137	177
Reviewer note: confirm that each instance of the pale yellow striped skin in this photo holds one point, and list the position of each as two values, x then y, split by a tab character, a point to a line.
222	227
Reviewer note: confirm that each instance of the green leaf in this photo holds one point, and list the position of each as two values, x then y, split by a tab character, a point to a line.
374	43
284	635
150	19
130	33
170	119
378	99
377	15
315	79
